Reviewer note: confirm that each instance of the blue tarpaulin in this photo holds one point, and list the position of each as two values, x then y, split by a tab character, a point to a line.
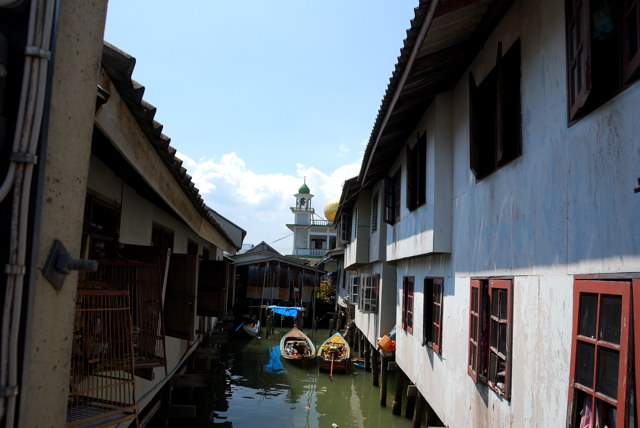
274	365
287	311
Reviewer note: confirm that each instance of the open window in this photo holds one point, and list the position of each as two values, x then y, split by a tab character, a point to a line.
213	287
603	51
417	173
432	325
407	303
494	115
180	301
392	198
490	333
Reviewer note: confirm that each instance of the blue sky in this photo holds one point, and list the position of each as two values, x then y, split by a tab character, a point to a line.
256	95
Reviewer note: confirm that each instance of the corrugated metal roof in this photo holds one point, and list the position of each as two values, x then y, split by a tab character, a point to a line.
443	38
119	66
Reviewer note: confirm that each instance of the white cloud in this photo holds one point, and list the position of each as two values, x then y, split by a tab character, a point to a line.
260	203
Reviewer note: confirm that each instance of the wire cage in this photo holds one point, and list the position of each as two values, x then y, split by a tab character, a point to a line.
144	283
101	386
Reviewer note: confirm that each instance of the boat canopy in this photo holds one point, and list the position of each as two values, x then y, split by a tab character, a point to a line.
287	311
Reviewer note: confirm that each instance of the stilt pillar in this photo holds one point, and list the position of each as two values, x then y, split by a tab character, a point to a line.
417	414
396	409
411	401
383	380
375	365
367	354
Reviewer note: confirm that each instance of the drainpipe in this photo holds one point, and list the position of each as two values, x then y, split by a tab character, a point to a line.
31	118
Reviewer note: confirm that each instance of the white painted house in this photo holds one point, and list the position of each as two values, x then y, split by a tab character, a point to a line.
504	159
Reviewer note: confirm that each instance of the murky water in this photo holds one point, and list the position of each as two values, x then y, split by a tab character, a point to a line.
257	388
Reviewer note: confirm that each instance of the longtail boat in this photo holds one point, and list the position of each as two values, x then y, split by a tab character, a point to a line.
252	329
334	353
295	345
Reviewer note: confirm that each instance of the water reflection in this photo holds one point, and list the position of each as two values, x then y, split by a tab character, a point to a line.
255	387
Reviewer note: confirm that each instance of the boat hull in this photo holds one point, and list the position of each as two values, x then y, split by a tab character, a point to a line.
334	354
296	346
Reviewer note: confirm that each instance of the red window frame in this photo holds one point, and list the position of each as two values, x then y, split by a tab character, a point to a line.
433	300
407	303
600	289
488	347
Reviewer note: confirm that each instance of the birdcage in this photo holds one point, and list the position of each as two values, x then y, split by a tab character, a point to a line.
101	386
144	283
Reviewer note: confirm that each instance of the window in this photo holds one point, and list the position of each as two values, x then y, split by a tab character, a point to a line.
353	293
345	228
392	198
161	237
490	328
354	226
603	54
601	392
374	213
417	173
407	303
494	116
432	326
192	247
101	227
369	293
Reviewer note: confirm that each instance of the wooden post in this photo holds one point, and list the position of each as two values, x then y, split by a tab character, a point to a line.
367	354
411	401
331	321
375	365
383	385
417	414
396	409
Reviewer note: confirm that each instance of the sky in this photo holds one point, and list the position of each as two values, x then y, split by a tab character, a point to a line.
258	96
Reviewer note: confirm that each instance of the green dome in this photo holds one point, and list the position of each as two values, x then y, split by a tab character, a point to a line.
304	189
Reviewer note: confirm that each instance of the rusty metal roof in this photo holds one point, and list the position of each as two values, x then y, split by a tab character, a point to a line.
444	37
119	66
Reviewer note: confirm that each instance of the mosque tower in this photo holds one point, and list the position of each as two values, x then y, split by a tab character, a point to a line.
312	238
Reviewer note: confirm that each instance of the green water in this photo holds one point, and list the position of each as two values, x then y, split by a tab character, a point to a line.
255	387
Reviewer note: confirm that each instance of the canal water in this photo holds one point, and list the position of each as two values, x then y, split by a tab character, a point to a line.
255	387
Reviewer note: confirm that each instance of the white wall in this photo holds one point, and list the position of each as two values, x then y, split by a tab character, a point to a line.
565	207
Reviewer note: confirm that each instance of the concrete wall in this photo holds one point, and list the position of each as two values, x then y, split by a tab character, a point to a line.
377	240
45	383
565	207
379	323
138	214
427	229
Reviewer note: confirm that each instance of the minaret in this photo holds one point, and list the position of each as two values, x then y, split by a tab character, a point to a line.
303	217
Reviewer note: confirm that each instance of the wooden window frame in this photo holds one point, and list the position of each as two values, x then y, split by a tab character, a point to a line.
369	293
167	236
495	133
392	198
482	296
587	87
417	173
600	288
354	288
374	212
345	228
433	304
407	303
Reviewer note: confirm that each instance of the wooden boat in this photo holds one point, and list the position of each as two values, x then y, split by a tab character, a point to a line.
252	329
295	345
334	353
